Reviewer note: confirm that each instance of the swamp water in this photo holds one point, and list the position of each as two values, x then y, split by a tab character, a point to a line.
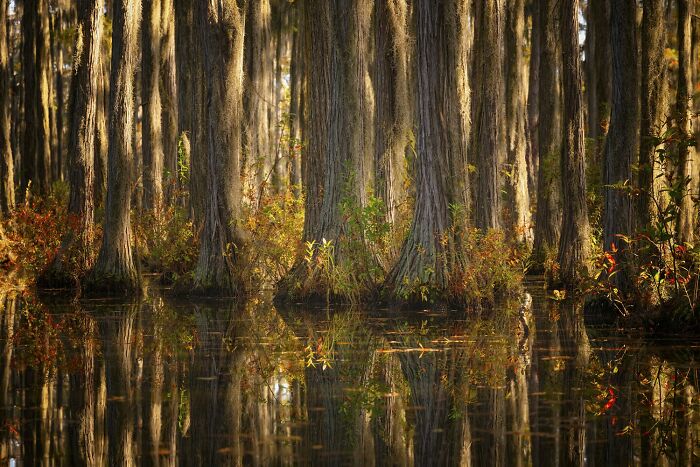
169	382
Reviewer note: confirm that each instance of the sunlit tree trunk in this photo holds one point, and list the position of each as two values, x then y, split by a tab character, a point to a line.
574	246
168	97
516	123
43	68
488	135
115	269
685	224
7	182
59	165
533	99
76	247
391	104
425	259
221	31
152	132
653	109
101	139
259	63
622	143
548	217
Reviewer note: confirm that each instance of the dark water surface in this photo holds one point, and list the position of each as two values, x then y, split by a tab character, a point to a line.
165	382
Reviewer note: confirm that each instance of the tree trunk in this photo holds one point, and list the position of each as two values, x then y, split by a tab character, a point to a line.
29	73
152	133
43	67
7	182
115	269
548	217
101	139
259	64
489	147
574	246
168	97
653	107
221	31
516	123
599	114
426	260
392	121
622	143
533	99
59	164
296	85
76	248
685	225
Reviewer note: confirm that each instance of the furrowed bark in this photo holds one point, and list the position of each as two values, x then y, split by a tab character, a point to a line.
115	269
76	248
221	31
574	246
7	187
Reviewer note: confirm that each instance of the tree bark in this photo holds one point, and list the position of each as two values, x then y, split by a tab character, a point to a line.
574	245
76	248
257	98
43	67
489	147
115	269
653	106
516	123
533	100
152	132
548	217
101	139
296	90
425	260
7	183
168	97
622	143
392	121
599	112
685	224
221	29
29	73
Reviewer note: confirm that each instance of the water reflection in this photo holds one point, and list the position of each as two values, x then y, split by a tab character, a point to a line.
158	382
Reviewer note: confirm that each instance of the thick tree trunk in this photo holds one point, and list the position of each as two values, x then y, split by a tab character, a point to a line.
59	165
152	132
653	107
168	97
426	260
115	269
516	123
548	217
392	119
76	249
488	135
685	225
43	67
622	143
257	99
7	182
574	246
221	31
29	74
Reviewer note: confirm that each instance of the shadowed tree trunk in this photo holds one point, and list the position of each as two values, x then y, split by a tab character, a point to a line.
115	269
340	133
152	132
685	225
516	123
391	105
221	30
548	218
425	259
7	187
488	136
82	392
598	26
59	164
296	91
574	246
622	143
30	102
653	107
76	247
168	97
